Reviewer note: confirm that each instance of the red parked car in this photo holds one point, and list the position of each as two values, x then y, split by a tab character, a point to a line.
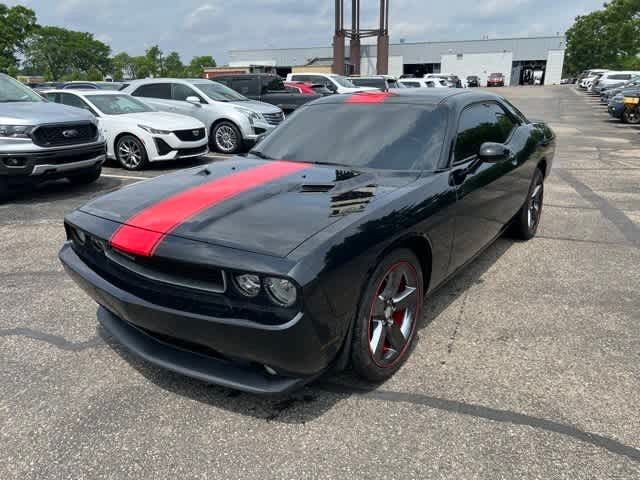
495	80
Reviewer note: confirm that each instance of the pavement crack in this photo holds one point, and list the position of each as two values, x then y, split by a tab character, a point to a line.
54	340
488	413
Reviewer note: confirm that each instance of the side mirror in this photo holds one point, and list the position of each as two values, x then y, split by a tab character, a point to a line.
493	152
331	87
193	100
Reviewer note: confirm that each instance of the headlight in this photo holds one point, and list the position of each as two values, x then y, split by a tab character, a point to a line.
248	284
281	292
15	131
254	117
154	131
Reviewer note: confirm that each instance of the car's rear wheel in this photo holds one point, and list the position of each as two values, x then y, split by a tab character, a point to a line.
226	138
526	222
388	314
86	178
631	115
131	153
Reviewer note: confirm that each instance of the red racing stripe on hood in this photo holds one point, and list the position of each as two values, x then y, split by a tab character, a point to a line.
142	233
368	97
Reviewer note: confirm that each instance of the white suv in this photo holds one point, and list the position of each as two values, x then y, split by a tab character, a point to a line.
335	83
232	120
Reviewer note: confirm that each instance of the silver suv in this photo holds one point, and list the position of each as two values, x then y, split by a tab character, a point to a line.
233	121
41	141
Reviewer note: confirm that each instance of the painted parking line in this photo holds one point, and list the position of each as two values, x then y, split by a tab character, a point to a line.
126	177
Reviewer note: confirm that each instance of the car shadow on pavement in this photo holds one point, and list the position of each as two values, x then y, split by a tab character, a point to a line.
59	190
319	396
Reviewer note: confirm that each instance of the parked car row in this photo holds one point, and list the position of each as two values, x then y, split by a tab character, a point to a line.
618	91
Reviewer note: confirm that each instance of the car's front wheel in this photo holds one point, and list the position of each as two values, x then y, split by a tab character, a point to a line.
388	315
631	116
226	138
131	153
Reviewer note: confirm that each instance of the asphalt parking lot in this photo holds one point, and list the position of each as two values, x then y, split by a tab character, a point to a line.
527	365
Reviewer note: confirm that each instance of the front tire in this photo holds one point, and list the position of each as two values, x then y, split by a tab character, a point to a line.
131	153
631	116
388	315
86	178
226	138
526	222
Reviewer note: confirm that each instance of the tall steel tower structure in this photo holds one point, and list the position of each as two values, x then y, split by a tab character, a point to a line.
355	34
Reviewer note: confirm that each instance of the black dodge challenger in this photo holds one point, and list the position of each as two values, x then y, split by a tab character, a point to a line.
315	250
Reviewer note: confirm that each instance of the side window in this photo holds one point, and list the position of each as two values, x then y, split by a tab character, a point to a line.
53	97
413	84
224	81
273	84
301	78
74	101
154	90
480	123
181	92
245	86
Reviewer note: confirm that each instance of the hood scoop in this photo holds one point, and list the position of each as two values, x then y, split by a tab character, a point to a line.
316	187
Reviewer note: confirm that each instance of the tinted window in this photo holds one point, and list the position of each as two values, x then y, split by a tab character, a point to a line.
478	124
53	97
182	92
392	137
412	84
224	81
154	90
302	78
245	86
85	86
273	84
218	92
74	101
369	82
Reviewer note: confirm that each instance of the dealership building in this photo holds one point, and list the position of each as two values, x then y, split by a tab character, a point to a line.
516	58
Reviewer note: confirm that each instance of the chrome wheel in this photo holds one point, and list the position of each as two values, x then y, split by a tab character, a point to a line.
394	314
535	207
226	138
130	153
632	116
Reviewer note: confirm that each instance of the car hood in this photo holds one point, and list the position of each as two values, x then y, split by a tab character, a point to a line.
272	216
163	120
38	113
260	107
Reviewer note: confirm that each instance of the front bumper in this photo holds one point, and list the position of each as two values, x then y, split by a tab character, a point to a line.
222	351
41	165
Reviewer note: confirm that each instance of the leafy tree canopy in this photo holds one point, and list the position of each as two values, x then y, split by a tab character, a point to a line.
16	26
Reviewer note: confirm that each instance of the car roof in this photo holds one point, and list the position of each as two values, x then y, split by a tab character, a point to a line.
425	96
143	81
85	92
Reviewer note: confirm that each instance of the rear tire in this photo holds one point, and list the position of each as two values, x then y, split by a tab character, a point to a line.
384	331
526	222
86	178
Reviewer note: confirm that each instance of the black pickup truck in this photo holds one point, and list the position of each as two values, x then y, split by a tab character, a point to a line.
265	88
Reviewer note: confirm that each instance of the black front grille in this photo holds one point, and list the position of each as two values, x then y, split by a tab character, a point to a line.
274	118
183	152
190	135
65	134
61	157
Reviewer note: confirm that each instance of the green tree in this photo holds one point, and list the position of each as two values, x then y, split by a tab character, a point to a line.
17	24
607	38
173	66
197	64
154	61
62	53
122	66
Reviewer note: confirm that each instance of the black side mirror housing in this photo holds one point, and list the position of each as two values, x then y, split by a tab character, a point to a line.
493	152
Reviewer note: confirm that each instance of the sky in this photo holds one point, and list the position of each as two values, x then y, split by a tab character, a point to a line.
213	27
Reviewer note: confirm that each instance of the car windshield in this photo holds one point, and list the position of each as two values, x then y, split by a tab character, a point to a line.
342	81
220	93
13	91
379	136
118	104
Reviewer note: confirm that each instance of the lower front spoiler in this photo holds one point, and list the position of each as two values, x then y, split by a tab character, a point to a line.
192	364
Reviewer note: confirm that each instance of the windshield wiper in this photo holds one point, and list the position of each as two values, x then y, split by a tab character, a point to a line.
333	164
